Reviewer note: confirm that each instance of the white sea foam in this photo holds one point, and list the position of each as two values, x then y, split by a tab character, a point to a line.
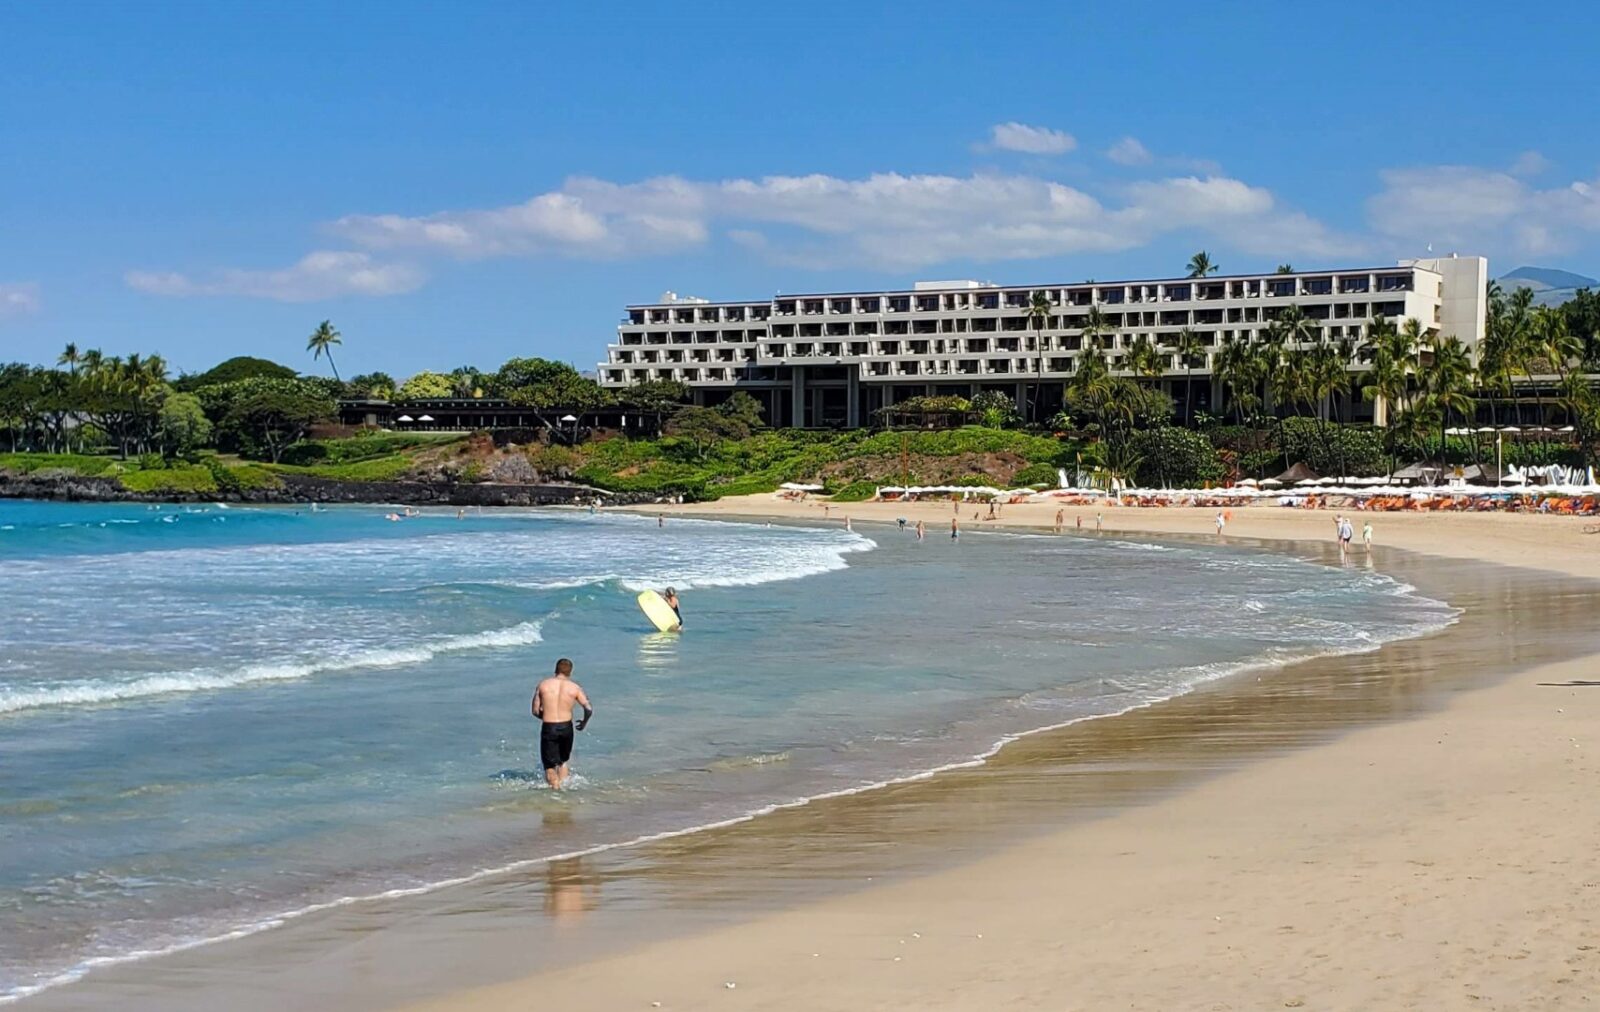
100	691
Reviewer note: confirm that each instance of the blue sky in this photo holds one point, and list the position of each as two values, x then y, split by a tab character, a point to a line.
459	183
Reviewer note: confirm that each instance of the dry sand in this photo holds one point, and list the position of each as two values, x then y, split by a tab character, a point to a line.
1444	862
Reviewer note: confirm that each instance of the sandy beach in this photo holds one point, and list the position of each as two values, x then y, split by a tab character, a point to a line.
1442	861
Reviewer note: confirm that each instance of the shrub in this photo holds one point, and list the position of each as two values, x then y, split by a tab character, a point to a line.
70	463
151	462
245	478
1175	457
193	480
1037	474
856	491
1332	450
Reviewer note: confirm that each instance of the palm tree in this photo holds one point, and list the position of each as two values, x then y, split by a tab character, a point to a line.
1144	360
1200	265
70	358
1039	315
1094	327
1188	349
321	343
1285	269
1521	343
1235	369
1446	382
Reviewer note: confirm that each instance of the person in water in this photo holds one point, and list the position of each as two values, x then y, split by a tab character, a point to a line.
552	704
671	597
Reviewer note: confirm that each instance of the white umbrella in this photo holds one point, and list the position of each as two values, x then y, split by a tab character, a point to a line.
425	418
1270	481
404	418
1251	482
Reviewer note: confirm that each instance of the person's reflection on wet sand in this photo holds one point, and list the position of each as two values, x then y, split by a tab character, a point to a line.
568	892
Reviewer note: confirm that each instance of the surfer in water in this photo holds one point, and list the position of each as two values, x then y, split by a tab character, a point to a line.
671	597
552	704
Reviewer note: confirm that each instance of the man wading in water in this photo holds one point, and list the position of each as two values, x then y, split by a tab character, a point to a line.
552	704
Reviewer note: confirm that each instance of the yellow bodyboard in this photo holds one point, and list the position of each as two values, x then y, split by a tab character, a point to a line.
658	611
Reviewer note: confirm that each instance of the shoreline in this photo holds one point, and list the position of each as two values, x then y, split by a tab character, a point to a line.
640	960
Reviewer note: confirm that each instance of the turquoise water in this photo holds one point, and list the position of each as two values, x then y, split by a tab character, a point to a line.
212	719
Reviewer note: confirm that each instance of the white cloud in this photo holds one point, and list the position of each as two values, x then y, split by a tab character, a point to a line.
18	298
324	274
1478	210
886	220
1129	151
1030	140
1529	163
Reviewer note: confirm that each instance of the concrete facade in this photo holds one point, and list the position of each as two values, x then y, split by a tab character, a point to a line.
834	358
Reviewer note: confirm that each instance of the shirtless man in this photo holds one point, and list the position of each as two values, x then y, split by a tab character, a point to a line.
552	704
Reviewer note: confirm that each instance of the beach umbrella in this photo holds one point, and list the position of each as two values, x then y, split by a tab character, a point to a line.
425	418
404	418
1566	428
1247	482
1270	481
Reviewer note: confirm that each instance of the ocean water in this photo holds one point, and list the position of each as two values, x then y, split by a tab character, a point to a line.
215	719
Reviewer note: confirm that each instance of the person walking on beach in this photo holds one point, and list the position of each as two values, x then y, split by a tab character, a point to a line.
921	531
1366	535
955	528
1061	519
1221	522
661	521
1099	522
553	701
1346	532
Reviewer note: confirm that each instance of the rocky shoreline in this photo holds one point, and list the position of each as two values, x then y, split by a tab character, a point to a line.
303	489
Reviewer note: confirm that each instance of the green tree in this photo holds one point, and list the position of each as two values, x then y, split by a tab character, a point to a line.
1285	269
995	410
1039	310
744	409
568	391
522	373
375	386
1190	352
1235	369
237	368
269	419
705	428
183	425
654	395
321	343
468	382
1445	371
1200	265
424	386
1144	360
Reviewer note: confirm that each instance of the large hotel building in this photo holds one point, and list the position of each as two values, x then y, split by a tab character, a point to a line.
833	358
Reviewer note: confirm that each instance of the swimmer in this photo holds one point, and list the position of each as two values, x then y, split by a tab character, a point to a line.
553	701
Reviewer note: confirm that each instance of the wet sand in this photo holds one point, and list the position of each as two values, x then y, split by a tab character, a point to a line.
1410	827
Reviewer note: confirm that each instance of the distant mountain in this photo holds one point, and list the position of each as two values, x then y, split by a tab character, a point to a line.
1550	287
